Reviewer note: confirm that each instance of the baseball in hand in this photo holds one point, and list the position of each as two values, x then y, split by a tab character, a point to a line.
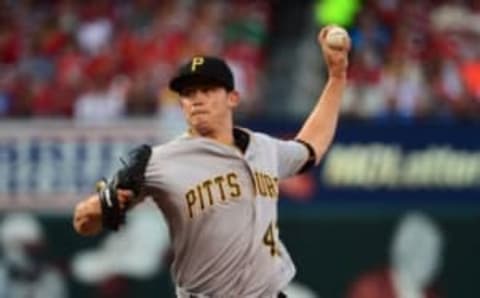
337	38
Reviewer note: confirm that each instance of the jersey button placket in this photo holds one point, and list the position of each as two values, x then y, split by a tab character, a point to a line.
251	175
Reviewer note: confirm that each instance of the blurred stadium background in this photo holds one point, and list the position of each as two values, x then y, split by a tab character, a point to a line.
81	82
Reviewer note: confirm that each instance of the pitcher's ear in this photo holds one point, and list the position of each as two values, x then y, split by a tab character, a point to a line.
233	98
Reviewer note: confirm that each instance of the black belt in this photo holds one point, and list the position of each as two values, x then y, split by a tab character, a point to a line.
280	295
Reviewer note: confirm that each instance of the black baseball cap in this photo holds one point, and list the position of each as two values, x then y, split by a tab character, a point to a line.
203	69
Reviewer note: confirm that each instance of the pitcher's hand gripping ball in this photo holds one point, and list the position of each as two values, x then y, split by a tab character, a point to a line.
337	38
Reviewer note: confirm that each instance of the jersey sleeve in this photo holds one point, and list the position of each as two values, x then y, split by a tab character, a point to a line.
153	171
293	157
158	167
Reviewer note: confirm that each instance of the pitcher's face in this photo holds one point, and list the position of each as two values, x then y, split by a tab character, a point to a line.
206	106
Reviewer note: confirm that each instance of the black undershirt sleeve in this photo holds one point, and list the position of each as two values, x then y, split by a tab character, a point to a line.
311	157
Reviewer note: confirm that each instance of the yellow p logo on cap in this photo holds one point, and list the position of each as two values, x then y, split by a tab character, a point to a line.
196	61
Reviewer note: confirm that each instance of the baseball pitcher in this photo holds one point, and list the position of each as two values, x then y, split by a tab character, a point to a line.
217	184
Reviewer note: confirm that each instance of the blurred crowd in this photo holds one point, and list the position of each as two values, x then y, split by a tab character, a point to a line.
415	59
95	61
98	60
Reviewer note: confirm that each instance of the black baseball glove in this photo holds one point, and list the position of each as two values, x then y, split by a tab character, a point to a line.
130	177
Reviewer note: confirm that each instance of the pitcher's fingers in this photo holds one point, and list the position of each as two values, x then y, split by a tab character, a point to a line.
323	32
124	196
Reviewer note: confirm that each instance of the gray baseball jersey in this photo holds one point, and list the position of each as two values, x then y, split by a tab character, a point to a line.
221	207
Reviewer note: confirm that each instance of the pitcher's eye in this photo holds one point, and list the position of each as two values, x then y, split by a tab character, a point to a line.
208	88
185	93
204	88
188	92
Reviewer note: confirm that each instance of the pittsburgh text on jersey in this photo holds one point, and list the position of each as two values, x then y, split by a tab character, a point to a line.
222	188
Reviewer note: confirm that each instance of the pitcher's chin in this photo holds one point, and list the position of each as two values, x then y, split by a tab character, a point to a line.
203	128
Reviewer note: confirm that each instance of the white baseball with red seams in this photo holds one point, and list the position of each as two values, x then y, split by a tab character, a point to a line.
337	38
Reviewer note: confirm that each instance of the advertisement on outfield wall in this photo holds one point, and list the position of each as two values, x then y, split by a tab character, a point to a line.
391	163
53	164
